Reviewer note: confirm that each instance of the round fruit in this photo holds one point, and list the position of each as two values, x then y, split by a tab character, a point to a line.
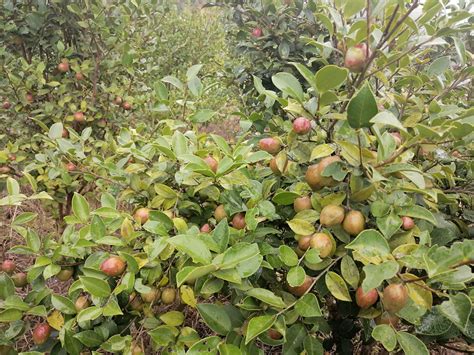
63	67
168	295
274	334
11	157
29	97
313	177
238	221
354	222
65	274
456	154
81	303
407	223
301	289
102	123
206	228
211	163
323	164
20	279
79	116
331	215
8	266
151	296
113	266
274	167
270	145
387	318
257	32
322	242
397	137
301	125
135	302
219	213
356	57
65	133
79	76
304	242
4	169
395	297
41	333
141	215
70	166
118	100
365	300
302	203
127	106
6	105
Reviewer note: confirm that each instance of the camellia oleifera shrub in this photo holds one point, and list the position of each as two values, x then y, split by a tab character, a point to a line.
346	223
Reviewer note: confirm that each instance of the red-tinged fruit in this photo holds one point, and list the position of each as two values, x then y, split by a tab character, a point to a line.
211	163
8	266
387	318
79	76
354	222
301	289
302	203
65	133
30	98
323	243
41	333
394	297
397	137
63	67
238	221
407	223
79	117
331	215
142	215
206	228
366	299
301	125
274	334
270	145
20	279
113	266
71	166
304	242
257	32
6	105
127	106
356	57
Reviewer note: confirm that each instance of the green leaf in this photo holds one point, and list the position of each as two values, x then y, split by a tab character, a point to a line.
63	304
201	116
313	346
112	309
387	118
386	335
352	7
337	286
295	337
411	345
174	318
95	286
221	235
239	253
289	85
418	212
80	207
389	224
13	187
371	245
285	197
308	306
192	246
350	271
56	130
287	255
266	296
295	276
362	108
164	334
89	338
376	274
24	218
301	227
90	313
257	326
191	273
321	151
307	74
438	66
458	310
330	77
215	317
10	315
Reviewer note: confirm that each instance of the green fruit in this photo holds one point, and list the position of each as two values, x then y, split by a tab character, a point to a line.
331	215
394	297
354	222
65	274
219	213
151	296
20	279
168	295
82	302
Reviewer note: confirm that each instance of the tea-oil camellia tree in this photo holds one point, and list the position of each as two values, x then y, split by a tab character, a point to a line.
342	223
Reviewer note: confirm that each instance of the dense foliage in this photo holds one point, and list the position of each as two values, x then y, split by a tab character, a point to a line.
344	221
